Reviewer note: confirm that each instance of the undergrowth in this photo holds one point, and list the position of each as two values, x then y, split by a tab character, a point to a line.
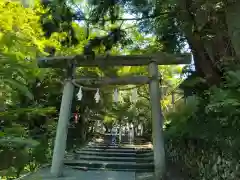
203	135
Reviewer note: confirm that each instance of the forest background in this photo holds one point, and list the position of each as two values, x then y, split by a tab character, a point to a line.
201	123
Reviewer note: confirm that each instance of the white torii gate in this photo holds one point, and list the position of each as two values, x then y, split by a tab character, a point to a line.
152	61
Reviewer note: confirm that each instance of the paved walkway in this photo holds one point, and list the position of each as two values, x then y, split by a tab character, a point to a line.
71	174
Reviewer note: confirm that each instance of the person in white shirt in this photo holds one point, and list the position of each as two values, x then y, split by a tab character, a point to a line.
131	135
120	134
114	133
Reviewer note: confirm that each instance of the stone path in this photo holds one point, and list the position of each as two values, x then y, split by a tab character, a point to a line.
103	162
72	174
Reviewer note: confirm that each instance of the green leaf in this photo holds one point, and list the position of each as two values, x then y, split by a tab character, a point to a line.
18	141
2	134
22	88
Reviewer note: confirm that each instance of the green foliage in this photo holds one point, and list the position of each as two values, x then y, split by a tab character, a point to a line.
58	18
177	121
201	135
21	42
205	131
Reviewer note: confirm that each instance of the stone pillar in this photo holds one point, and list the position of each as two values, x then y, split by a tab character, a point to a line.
62	128
157	122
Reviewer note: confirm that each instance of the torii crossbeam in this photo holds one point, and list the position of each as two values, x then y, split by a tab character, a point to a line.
152	60
159	58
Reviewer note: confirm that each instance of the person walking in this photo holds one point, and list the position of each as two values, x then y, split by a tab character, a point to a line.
131	135
114	134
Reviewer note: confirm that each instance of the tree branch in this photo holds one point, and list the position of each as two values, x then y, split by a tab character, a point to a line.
126	19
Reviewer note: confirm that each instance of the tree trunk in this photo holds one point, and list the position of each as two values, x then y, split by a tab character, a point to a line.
233	25
203	63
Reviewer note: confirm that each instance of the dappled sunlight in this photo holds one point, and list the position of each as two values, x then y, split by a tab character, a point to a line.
86	87
147	145
98	140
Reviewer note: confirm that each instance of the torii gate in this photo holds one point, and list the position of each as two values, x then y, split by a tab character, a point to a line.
70	63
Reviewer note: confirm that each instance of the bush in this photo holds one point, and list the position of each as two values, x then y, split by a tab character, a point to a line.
203	134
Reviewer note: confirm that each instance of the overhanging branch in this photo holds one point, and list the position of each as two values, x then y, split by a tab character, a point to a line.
125	19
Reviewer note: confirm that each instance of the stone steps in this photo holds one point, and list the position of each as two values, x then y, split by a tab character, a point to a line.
117	159
116	150
148	170
113	165
112	154
102	162
104	146
107	154
112	158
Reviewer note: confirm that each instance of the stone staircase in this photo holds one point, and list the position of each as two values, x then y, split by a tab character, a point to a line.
103	161
114	158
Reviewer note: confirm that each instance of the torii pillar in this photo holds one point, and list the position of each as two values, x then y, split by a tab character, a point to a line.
157	122
62	126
